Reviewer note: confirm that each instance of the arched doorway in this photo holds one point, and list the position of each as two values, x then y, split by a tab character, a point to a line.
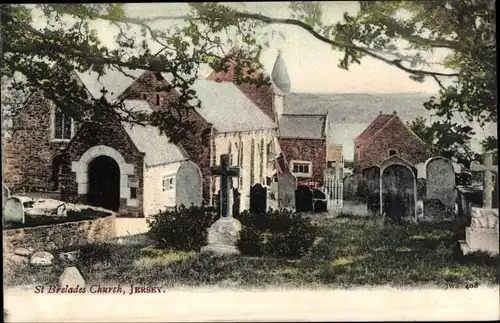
104	183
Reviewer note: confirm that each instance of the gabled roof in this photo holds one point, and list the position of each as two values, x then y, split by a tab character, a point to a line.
377	124
302	126
228	109
157	148
113	80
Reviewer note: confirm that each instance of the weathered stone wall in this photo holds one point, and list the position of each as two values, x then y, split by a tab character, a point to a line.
28	154
394	136
58	236
313	150
109	134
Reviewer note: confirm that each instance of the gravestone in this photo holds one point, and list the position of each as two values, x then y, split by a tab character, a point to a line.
482	234
15	209
236	201
188	187
441	181
225	232
5	194
372	177
398	189
258	199
303	199
287	184
319	201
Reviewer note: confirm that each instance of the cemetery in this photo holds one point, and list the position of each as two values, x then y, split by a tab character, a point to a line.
306	241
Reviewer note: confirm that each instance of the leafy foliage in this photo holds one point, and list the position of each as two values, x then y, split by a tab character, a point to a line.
447	139
182	228
278	233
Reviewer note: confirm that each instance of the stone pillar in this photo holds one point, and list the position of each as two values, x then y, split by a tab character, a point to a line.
487	181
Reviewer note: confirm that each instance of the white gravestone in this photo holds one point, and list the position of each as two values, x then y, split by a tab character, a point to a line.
15	208
188	186
441	181
225	232
287	184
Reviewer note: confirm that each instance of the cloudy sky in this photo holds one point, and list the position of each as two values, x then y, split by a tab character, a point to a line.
312	65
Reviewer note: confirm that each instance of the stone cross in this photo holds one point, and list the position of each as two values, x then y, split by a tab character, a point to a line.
487	168
225	172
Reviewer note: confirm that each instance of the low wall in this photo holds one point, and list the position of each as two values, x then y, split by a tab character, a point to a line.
59	236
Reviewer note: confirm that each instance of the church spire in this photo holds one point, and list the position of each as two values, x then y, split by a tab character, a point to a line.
280	75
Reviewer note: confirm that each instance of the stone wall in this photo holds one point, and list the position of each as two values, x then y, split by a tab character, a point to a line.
394	136
28	154
58	236
313	150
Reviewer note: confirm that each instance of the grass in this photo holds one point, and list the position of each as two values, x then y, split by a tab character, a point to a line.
353	252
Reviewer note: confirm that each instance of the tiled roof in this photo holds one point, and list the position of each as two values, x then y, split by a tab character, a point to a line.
157	147
229	109
374	127
302	126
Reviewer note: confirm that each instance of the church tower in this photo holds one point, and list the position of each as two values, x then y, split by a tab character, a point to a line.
281	83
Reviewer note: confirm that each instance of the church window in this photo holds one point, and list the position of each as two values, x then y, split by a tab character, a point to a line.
144	96
392	152
63	126
157	99
133	192
241	162
262	162
168	183
302	168
252	162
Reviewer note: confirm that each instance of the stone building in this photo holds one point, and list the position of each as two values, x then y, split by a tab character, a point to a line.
131	169
302	136
227	122
388	136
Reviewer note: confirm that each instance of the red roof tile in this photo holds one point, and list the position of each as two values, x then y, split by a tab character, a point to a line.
374	127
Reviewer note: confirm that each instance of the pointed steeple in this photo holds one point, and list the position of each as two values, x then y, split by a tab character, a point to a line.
280	75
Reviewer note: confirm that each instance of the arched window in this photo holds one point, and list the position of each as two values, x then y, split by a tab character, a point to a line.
63	126
241	162
157	99
252	162
262	161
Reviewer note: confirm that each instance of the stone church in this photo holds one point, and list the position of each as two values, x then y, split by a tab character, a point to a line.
302	136
48	151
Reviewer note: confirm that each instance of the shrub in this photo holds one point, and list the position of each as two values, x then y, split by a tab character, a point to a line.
182	228
278	233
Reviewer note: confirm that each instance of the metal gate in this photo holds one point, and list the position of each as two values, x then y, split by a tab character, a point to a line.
333	188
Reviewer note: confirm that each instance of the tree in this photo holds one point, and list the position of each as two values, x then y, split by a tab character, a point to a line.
395	32
446	139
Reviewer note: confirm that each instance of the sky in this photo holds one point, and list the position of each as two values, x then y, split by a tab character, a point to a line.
311	64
